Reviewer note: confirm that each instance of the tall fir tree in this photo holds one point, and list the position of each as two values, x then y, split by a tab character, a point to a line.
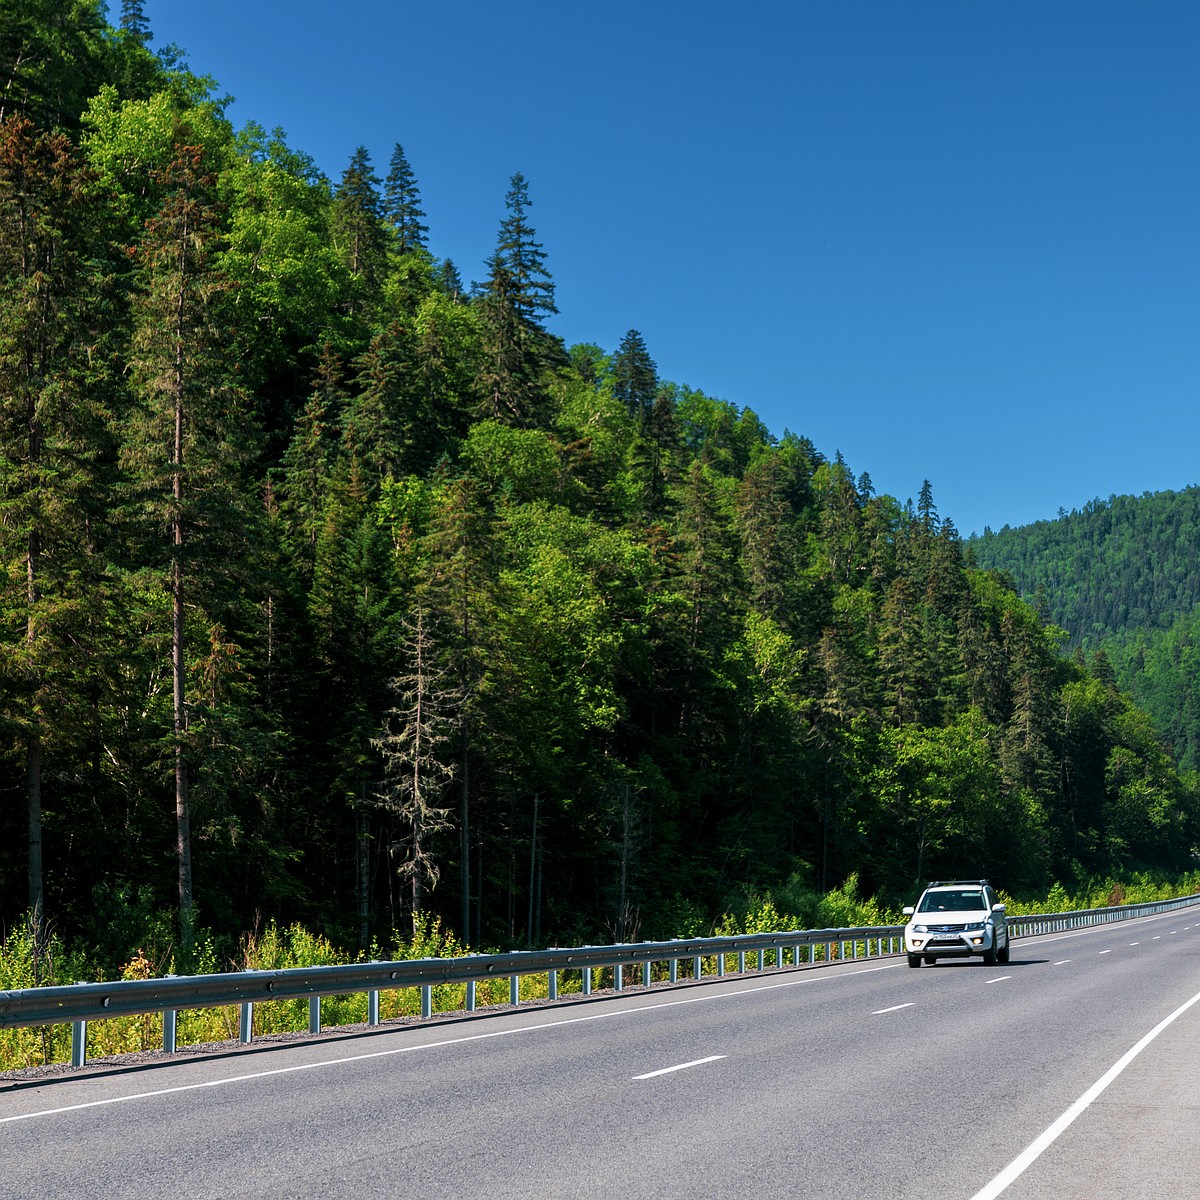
509	368
521	255
189	438
134	21
402	204
358	233
54	439
635	377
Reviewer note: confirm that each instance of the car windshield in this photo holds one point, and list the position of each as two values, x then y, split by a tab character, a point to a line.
953	901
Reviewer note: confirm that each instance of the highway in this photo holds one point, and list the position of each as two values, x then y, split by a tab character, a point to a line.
859	1080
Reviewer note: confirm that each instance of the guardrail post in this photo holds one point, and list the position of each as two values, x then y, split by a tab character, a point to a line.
314	1014
587	981
552	985
698	967
169	1024
470	995
426	1000
514	989
246	1030
78	1043
721	966
674	970
373	1007
741	962
646	974
618	978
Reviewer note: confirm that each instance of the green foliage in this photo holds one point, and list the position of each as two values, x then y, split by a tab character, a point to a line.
249	428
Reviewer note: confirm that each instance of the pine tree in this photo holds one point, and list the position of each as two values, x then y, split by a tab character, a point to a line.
311	459
927	512
528	287
358	232
508	376
53	441
635	377
189	437
450	280
456	595
373	438
402	204
134	22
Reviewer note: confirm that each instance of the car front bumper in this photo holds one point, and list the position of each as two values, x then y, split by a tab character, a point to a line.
961	944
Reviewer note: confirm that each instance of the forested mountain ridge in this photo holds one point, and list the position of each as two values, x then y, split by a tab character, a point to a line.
1128	562
334	592
1122	577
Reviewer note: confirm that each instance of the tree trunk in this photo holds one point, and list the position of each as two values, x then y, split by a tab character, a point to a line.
183	823
36	887
363	854
464	841
33	752
533	841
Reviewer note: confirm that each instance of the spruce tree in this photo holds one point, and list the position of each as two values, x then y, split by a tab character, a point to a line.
134	22
456	592
520	254
311	459
358	232
189	437
54	438
508	376
450	280
402	204
635	377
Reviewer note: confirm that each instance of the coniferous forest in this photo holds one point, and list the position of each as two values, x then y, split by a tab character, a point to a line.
1122	577
337	590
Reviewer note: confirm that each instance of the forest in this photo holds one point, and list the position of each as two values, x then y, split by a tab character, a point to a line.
338	591
1121	576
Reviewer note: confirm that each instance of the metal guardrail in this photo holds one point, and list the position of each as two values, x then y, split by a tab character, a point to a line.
80	1003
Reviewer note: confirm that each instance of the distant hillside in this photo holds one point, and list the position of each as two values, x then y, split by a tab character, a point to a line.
1122	577
1125	563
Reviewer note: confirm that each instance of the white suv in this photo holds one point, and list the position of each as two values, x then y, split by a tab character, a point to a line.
956	919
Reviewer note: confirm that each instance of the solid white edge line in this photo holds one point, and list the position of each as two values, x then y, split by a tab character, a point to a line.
1027	1157
895	1008
699	1062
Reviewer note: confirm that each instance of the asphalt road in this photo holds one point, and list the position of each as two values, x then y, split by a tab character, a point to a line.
859	1080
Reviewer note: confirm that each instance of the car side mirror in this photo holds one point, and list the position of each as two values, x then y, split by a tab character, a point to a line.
908	910
999	908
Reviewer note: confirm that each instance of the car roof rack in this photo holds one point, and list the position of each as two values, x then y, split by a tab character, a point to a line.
957	883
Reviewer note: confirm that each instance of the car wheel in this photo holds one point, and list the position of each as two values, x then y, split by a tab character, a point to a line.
989	957
1002	955
929	962
914	960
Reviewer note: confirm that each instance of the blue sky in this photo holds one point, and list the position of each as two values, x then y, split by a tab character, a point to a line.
952	239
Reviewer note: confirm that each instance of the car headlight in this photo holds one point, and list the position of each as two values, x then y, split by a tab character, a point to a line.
975	925
920	929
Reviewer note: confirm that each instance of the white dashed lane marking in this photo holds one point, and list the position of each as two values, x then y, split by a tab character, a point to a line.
699	1062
